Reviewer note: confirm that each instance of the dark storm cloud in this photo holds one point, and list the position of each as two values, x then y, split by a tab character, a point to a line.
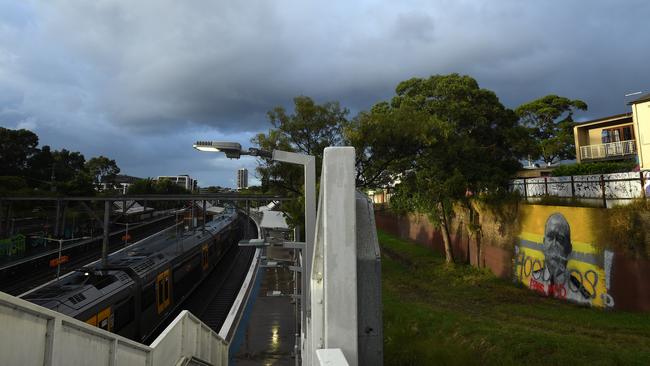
148	72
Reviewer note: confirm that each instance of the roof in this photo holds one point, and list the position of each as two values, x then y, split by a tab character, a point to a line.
641	99
614	118
273	220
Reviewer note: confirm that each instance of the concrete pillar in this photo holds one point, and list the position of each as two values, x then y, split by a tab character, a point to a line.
57	219
204	214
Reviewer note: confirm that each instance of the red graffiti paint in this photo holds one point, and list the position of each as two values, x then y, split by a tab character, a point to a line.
558	290
537	286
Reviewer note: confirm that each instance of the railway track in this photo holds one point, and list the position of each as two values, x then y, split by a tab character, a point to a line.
27	276
212	299
217	307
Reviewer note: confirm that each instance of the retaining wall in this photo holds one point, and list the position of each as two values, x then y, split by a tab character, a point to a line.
555	250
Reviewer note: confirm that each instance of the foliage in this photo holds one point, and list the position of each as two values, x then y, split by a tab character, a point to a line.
601	167
43	170
385	141
143	186
309	130
461	315
40	172
631	222
550	120
102	168
11	184
16	148
468	144
151	186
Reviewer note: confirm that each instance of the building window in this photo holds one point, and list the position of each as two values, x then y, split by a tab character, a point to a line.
617	134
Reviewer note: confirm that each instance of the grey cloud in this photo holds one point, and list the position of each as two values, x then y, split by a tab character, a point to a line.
152	71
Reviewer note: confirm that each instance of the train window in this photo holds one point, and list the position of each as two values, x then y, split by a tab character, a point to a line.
123	315
162	288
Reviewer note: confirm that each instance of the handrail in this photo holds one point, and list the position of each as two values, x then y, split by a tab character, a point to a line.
599	151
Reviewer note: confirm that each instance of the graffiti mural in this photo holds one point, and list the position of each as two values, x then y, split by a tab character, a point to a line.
556	258
12	246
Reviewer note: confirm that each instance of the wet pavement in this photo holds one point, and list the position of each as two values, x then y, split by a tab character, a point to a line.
269	338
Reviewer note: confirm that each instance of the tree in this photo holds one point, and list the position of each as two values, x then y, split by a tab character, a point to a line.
143	186
385	141
16	148
309	130
166	186
102	168
468	145
550	120
40	169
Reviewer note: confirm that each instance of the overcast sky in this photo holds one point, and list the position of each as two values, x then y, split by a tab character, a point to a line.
140	81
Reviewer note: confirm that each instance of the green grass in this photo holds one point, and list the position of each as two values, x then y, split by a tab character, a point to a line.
438	314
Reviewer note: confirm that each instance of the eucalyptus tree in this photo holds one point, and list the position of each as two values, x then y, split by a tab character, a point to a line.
550	121
468	144
309	129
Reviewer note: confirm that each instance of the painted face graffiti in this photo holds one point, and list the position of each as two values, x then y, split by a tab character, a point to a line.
557	247
550	265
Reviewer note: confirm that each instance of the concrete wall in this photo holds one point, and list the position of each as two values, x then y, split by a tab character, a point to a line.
641	116
556	254
516	243
33	335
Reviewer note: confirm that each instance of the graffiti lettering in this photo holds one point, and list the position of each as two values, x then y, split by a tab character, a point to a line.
536	286
584	284
12	246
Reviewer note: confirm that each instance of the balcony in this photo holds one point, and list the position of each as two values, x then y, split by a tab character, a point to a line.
609	150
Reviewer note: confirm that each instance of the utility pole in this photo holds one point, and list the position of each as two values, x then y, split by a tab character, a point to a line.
107	213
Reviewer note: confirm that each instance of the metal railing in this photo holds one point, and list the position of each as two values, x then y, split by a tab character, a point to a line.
601	189
601	151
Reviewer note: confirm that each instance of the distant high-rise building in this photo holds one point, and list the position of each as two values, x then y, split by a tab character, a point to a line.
242	178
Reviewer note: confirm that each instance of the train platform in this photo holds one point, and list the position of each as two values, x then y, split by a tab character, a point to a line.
270	330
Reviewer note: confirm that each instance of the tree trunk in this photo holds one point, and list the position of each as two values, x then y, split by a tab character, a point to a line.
444	228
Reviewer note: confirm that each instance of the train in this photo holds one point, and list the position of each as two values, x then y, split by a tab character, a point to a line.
138	288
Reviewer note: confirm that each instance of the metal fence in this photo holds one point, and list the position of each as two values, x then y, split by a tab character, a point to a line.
604	189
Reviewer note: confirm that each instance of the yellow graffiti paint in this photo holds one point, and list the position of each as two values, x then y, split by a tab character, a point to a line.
580	277
582	220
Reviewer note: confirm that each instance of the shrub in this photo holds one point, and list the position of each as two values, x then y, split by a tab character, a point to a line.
604	167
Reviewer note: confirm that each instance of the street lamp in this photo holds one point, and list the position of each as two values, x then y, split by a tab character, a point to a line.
233	150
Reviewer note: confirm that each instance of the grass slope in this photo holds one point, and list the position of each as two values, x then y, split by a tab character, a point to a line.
438	314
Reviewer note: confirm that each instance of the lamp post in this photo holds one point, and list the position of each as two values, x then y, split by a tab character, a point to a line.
233	150
61	241
126	234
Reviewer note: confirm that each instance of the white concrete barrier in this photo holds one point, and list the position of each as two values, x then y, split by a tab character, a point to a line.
34	335
333	278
